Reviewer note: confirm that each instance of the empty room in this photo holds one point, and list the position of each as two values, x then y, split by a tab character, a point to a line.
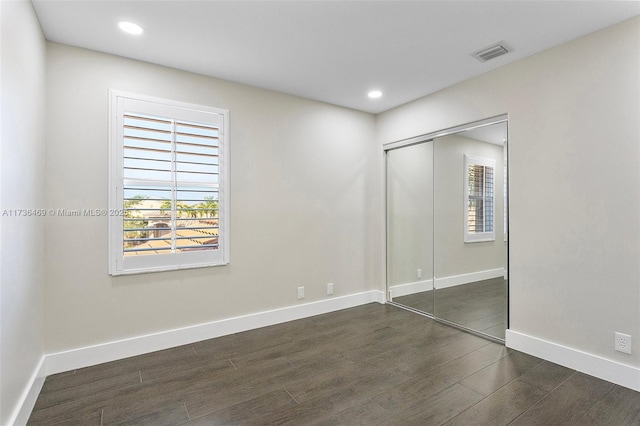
320	212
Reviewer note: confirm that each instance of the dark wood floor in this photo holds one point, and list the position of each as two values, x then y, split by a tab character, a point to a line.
479	306
370	365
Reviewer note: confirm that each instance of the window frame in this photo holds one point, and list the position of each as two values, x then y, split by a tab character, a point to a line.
119	101
476	237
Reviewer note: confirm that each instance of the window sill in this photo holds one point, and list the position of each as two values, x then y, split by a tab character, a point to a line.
166	269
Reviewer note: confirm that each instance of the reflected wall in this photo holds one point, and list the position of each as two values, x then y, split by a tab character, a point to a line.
410	226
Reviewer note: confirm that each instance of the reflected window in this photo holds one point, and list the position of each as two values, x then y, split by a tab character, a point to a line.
479	199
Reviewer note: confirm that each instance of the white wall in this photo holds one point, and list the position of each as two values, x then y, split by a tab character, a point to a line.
574	185
303	199
22	175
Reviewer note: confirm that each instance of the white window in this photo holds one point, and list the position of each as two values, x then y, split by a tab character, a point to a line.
168	195
479	199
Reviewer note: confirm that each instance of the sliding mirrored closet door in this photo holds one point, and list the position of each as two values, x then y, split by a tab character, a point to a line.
447	226
410	226
470	234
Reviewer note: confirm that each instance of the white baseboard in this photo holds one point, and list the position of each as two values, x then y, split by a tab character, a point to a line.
593	365
454	280
111	351
410	288
28	398
444	282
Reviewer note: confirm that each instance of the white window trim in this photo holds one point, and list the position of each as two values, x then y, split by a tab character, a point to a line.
175	261
470	160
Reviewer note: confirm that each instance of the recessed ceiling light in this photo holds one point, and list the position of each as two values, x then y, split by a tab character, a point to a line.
375	94
130	27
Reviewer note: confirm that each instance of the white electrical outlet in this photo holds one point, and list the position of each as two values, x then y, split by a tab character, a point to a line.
329	289
419	273
300	292
623	343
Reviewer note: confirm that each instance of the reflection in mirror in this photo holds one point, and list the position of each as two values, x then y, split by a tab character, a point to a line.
410	226
470	240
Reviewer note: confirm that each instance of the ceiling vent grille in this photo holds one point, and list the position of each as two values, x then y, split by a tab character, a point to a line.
493	51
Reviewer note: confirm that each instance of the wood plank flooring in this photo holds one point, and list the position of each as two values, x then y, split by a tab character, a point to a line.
370	365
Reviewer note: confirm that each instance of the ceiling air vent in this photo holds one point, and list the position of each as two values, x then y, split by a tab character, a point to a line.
493	51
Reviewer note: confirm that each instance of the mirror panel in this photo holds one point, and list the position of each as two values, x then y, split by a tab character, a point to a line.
410	226
470	245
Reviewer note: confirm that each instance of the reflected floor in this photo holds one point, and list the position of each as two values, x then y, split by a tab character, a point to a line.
480	306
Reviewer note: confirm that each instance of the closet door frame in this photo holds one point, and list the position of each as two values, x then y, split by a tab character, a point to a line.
426	138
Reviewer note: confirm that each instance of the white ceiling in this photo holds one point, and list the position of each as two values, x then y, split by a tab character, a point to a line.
331	51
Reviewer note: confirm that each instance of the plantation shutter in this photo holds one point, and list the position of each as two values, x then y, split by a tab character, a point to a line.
479	199
169	178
